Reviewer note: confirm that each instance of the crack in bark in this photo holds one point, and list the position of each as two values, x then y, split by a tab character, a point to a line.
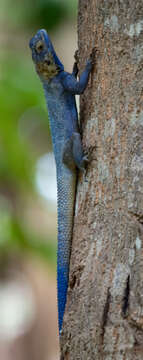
105	313
72	282
125	303
75	277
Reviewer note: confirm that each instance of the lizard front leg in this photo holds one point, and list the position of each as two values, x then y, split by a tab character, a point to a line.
74	86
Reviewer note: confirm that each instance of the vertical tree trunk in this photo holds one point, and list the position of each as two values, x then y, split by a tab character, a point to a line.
104	313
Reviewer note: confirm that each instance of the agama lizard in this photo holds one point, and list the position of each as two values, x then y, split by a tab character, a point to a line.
60	88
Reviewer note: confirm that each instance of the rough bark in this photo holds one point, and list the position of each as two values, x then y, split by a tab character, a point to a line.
104	313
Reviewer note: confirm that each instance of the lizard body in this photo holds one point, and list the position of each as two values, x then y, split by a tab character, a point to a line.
60	88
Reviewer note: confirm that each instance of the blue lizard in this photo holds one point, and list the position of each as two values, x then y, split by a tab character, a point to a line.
60	88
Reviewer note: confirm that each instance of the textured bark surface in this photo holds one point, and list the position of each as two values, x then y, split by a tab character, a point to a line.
104	313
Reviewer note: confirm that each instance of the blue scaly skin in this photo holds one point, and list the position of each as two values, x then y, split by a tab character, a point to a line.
60	88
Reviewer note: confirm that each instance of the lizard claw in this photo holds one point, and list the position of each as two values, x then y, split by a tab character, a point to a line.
84	164
85	159
76	56
93	55
91	61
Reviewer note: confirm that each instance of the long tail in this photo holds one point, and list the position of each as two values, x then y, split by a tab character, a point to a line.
66	181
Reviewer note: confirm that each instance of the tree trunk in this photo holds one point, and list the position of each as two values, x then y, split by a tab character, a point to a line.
104	313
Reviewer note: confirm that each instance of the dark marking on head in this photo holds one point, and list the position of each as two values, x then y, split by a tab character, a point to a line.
39	46
47	68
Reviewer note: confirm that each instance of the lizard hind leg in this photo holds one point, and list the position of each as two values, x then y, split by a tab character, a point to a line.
67	156
80	159
73	153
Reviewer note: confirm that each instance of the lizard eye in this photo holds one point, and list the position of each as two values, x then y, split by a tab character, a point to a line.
39	46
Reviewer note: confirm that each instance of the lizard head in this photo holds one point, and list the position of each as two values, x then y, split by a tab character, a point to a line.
44	56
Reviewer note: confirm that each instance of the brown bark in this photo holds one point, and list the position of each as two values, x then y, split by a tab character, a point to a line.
104	313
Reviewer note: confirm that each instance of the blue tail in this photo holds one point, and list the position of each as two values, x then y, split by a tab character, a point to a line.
66	193
62	285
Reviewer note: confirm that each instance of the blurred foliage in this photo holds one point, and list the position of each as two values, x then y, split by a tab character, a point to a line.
14	239
19	90
34	13
24	128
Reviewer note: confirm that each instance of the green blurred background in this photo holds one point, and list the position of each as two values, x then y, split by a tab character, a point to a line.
27	173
